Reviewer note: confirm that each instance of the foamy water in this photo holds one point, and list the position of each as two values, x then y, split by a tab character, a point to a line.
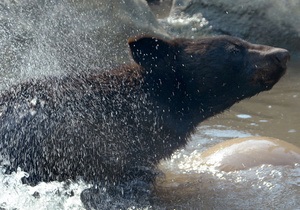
54	195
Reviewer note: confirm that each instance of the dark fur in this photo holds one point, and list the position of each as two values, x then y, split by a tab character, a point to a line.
105	126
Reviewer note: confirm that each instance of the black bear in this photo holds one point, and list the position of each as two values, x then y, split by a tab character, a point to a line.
111	125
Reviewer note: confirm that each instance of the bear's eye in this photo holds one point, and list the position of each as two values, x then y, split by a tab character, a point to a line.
234	50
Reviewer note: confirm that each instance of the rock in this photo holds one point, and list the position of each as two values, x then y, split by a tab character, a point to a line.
245	153
160	8
271	22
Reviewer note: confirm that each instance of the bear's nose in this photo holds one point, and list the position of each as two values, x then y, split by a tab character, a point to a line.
281	56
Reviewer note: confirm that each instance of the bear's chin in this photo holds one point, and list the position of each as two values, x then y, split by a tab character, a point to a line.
267	78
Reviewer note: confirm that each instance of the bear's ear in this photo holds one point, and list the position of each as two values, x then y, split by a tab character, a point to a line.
150	51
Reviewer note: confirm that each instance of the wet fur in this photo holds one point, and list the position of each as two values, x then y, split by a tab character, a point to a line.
114	125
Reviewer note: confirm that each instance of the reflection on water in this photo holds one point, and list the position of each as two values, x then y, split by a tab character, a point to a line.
263	187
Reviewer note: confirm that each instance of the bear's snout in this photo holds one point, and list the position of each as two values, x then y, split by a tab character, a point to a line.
281	57
269	65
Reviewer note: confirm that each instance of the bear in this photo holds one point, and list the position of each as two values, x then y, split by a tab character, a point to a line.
115	125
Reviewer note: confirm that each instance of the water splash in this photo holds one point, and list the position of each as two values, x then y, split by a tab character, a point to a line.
54	195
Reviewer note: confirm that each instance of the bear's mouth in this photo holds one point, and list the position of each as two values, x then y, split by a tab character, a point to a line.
267	78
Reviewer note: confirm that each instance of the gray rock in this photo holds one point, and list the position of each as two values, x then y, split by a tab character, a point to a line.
271	22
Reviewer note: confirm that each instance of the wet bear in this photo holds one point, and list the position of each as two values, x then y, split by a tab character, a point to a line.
113	125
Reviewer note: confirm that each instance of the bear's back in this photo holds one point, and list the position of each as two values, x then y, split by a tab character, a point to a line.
91	126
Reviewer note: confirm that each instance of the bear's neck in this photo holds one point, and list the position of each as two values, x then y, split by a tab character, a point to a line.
165	90
182	108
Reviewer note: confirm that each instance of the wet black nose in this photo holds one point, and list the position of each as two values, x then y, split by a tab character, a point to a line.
281	56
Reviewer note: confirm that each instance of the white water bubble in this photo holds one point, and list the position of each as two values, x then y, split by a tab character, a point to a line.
244	116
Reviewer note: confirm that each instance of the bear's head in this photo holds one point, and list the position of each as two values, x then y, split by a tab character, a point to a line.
208	71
